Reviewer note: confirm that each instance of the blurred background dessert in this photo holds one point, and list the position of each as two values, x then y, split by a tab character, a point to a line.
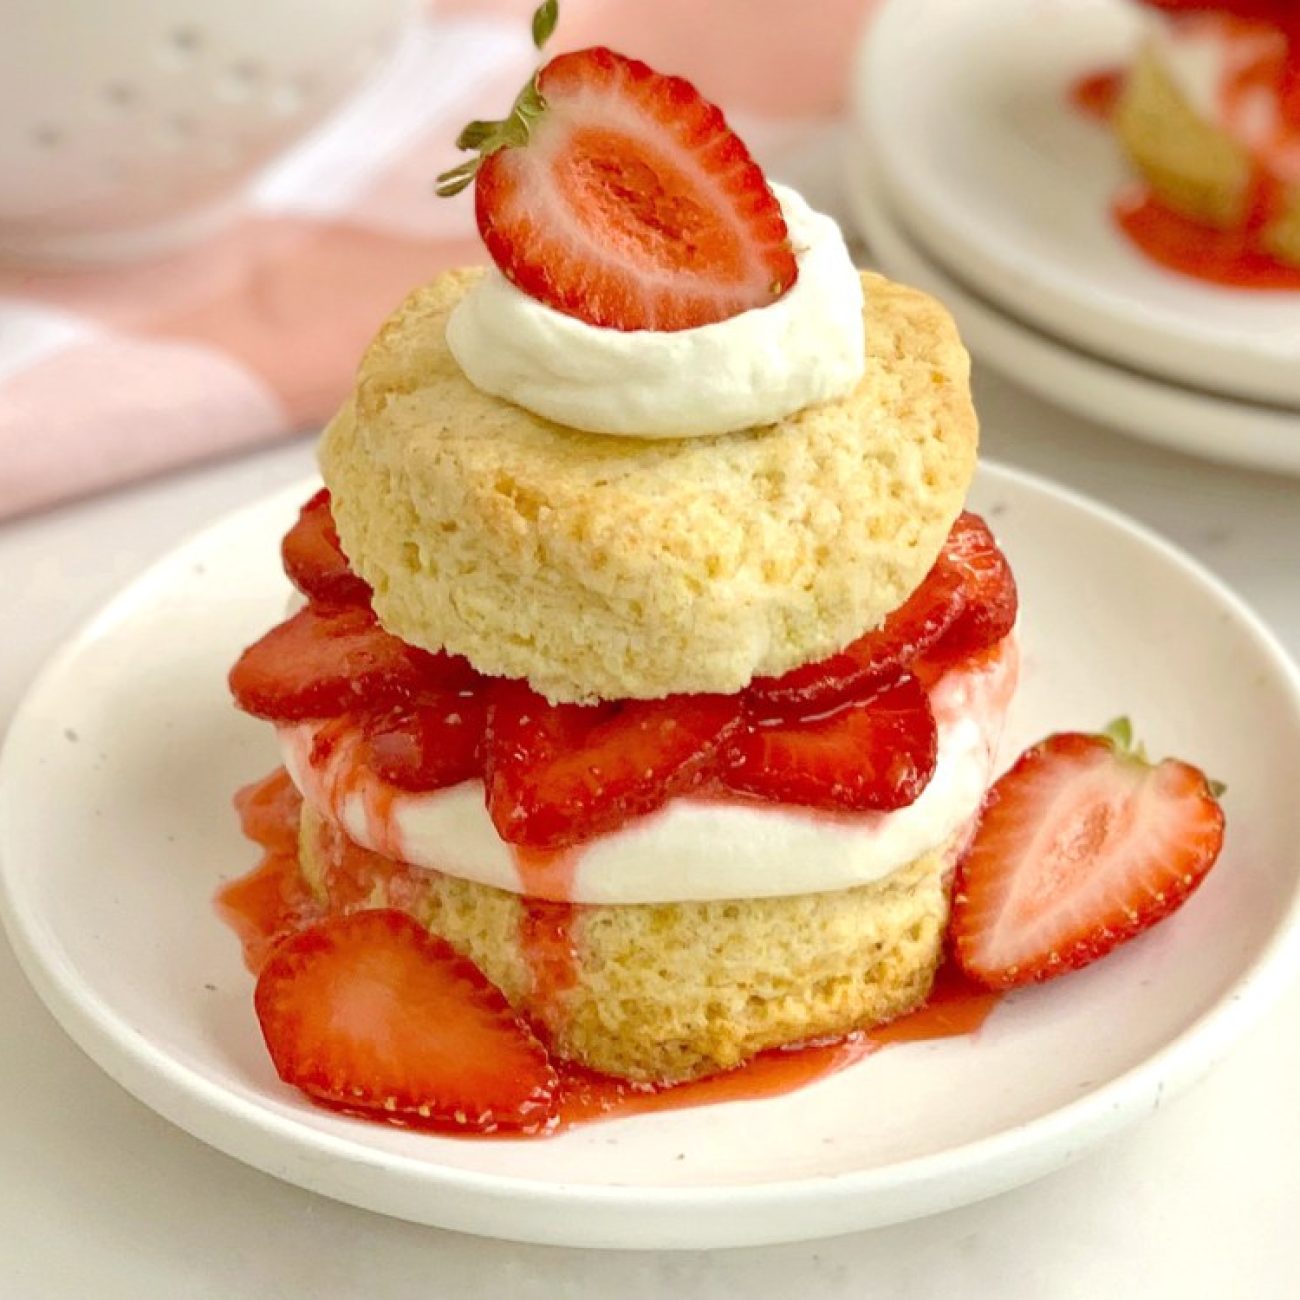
1209	113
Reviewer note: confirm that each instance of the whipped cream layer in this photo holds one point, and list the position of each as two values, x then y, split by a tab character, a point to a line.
1209	58
692	848
753	369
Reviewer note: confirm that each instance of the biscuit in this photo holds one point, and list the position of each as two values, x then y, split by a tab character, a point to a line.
1192	165
669	991
603	567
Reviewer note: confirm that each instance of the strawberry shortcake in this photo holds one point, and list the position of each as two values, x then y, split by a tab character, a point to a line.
648	674
1210	114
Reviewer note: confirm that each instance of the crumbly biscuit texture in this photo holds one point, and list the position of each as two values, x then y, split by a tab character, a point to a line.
1192	165
603	567
668	992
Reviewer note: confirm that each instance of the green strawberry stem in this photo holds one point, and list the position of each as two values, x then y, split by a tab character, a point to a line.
1119	732
544	20
485	136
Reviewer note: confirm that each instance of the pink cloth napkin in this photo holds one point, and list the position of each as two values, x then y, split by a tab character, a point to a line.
114	373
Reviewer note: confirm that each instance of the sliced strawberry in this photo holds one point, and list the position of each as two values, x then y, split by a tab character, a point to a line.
371	1013
314	559
877	657
561	773
324	661
869	754
966	604
1083	845
621	196
436	743
991	600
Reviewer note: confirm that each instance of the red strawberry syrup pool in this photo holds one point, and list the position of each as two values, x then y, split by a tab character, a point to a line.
273	900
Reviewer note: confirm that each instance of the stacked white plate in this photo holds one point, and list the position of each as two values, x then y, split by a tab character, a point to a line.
973	176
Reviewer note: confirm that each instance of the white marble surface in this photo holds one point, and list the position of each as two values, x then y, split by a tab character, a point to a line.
99	1197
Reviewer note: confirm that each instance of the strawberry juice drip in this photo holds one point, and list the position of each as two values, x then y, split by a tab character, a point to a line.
273	900
546	919
547	941
349	780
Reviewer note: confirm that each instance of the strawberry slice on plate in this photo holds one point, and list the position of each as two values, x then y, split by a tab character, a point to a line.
867	755
327	660
370	1013
314	560
1083	844
621	196
557	774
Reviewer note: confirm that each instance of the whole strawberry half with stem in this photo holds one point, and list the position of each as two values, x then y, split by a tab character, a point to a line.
619	195
1083	845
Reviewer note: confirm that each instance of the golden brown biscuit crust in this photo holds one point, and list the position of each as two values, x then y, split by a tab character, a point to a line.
602	567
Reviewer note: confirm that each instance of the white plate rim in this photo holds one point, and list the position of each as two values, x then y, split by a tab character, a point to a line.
1224	429
1055	298
817	1206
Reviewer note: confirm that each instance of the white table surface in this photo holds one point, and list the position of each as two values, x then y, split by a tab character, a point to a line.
101	1198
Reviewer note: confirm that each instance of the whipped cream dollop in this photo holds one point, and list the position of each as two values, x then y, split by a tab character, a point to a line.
691	848
806	347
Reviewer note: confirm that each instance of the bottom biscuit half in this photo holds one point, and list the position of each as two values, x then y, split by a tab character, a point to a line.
664	992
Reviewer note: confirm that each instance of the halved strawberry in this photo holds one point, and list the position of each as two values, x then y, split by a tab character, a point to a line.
1083	845
869	754
314	559
621	196
324	661
991	599
877	657
560	773
371	1013
428	746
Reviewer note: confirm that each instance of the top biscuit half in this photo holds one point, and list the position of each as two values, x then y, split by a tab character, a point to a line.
610	568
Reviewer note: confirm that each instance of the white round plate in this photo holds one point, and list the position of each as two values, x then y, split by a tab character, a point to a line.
1219	428
998	178
116	828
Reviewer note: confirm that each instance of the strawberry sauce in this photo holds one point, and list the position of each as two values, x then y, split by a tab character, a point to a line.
956	1007
546	939
273	900
1232	258
1097	93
